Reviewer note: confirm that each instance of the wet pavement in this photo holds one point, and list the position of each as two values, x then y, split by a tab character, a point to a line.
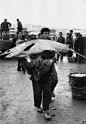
16	97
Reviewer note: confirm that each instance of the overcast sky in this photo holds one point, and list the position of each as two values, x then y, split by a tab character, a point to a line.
52	13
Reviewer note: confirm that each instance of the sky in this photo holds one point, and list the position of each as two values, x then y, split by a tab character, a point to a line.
51	13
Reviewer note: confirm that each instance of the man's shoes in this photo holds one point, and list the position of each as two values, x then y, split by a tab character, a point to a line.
52	94
39	110
47	116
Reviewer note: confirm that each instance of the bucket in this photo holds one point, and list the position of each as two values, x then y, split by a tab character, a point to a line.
77	82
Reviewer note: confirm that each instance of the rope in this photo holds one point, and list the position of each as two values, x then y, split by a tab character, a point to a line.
78	53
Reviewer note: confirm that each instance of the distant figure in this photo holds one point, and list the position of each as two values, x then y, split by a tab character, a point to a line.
78	47
0	33
5	27
69	42
39	36
14	40
19	26
60	39
32	36
20	66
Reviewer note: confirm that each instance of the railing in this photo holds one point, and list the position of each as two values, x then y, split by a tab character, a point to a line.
11	33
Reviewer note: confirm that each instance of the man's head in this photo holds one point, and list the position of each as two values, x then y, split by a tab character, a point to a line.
77	35
60	34
71	32
68	34
5	20
25	29
45	32
17	20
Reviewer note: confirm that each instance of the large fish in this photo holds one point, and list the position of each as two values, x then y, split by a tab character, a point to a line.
35	46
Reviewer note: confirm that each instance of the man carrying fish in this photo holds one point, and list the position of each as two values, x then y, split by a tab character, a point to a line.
40	68
43	75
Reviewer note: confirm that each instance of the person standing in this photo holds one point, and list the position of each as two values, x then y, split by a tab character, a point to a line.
69	42
14	39
19	26
78	46
19	40
60	39
5	27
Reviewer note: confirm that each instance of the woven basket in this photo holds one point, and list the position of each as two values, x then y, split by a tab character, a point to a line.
78	87
78	93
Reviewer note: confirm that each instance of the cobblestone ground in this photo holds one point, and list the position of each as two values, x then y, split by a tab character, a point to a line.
16	97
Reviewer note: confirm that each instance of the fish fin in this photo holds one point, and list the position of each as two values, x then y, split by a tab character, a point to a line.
28	47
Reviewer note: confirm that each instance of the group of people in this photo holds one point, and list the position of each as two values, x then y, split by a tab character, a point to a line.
73	43
76	44
41	67
5	25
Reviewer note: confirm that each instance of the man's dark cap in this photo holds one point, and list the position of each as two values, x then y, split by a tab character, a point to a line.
17	19
71	30
44	30
47	54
